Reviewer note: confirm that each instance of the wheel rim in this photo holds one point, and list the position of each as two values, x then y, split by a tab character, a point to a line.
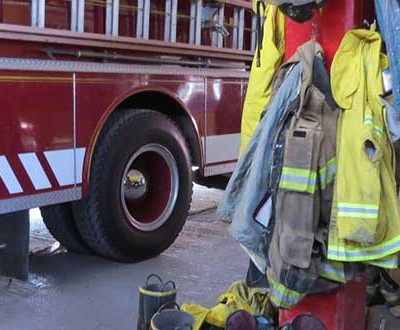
149	187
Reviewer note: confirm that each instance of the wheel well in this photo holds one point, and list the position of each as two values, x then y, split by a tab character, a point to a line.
166	104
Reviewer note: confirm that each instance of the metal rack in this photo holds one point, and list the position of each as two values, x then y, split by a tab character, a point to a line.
143	10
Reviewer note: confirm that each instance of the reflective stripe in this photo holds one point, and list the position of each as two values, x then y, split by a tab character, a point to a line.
298	179
368	119
332	270
378	130
327	173
369	206
8	176
364	211
299	172
390	262
282	296
67	165
366	253
297	187
357	210
35	170
156	293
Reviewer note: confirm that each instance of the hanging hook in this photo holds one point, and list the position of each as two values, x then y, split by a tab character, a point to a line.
314	30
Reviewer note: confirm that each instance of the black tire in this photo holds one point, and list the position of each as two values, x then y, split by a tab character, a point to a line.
106	219
61	225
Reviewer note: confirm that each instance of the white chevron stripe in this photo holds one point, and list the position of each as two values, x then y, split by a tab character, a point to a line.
8	177
35	170
80	155
62	164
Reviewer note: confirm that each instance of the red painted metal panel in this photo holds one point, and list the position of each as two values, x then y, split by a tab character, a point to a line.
36	116
37	107
342	309
337	17
224	106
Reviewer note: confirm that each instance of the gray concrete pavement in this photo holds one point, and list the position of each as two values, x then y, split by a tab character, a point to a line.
68	291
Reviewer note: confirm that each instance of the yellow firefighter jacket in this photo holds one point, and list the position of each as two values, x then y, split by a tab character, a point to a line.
260	82
365	220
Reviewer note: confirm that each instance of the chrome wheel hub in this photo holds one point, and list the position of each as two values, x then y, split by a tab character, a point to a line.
149	187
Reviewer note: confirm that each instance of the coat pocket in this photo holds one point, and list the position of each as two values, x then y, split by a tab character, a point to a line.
300	161
297	207
295	214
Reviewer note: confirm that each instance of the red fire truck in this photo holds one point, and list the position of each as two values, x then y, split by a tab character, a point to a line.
108	105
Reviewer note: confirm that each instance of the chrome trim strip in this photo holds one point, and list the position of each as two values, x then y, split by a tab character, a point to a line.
74	119
37	200
20	64
219	169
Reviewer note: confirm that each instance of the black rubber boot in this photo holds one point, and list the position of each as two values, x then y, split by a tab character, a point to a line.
170	317
152	296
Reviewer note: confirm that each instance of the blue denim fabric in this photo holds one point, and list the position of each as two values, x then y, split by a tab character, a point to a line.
250	181
393	121
388	16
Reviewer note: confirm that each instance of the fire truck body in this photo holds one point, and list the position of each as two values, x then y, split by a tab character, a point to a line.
107	105
115	122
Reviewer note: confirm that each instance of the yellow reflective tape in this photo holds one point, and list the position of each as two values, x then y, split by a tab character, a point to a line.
300	187
333	270
155	293
299	172
282	296
357	215
376	247
378	251
378	130
390	263
357	205
328	166
329	163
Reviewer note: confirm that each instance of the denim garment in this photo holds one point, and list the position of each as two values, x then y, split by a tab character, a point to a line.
250	180
393	120
388	16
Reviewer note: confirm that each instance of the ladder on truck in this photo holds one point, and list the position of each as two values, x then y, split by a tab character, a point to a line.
203	15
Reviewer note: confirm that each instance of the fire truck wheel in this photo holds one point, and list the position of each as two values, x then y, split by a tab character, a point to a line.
140	187
60	223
